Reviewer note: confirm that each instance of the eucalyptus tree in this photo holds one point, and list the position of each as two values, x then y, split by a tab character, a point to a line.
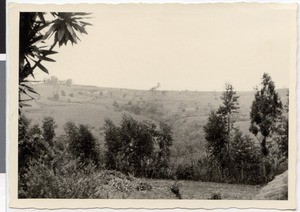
229	108
265	112
266	109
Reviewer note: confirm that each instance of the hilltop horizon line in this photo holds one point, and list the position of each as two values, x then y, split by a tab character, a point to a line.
160	89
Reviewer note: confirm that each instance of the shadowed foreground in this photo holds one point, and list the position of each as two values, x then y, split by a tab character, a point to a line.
277	189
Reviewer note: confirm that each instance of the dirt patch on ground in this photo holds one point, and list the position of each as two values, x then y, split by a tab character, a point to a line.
277	189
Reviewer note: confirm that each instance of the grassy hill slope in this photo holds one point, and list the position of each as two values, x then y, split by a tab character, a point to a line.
186	111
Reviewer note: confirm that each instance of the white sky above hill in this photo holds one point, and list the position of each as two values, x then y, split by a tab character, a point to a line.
199	47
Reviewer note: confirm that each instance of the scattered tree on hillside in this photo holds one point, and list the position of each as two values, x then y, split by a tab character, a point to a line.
49	126
136	145
82	143
217	139
266	109
113	145
230	105
68	82
282	132
131	147
246	160
165	141
32	149
219	127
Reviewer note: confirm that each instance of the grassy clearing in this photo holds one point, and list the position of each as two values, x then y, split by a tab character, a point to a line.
196	190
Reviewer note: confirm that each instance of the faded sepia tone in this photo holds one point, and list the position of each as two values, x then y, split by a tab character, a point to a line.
185	52
163	40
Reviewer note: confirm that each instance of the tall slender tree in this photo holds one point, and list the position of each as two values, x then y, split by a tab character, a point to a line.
219	126
266	109
230	106
165	141
216	136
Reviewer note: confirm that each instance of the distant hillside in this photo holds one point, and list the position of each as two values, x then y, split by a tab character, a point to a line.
185	111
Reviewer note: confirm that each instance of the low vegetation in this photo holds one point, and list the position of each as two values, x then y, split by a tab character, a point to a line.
135	153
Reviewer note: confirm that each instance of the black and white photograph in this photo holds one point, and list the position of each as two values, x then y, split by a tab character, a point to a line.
155	102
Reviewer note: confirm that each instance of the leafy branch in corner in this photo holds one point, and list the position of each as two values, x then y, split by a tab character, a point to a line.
35	29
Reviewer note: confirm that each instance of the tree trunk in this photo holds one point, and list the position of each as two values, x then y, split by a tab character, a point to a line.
265	153
264	169
242	172
228	141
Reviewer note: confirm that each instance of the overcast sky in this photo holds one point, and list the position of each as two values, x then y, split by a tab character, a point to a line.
194	47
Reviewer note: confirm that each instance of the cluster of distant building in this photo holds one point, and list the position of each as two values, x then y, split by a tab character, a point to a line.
55	81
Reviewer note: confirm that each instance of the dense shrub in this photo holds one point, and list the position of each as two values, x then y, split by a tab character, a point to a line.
82	143
282	138
215	196
216	135
64	169
204	169
48	127
144	186
244	165
185	171
151	109
136	145
32	147
68	82
175	188
246	160
138	148
74	180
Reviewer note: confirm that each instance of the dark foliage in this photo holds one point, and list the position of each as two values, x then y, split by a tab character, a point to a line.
282	137
230	105
265	111
246	161
82	143
216	135
131	147
175	188
49	126
282	132
215	196
218	130
32	147
35	30
144	186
